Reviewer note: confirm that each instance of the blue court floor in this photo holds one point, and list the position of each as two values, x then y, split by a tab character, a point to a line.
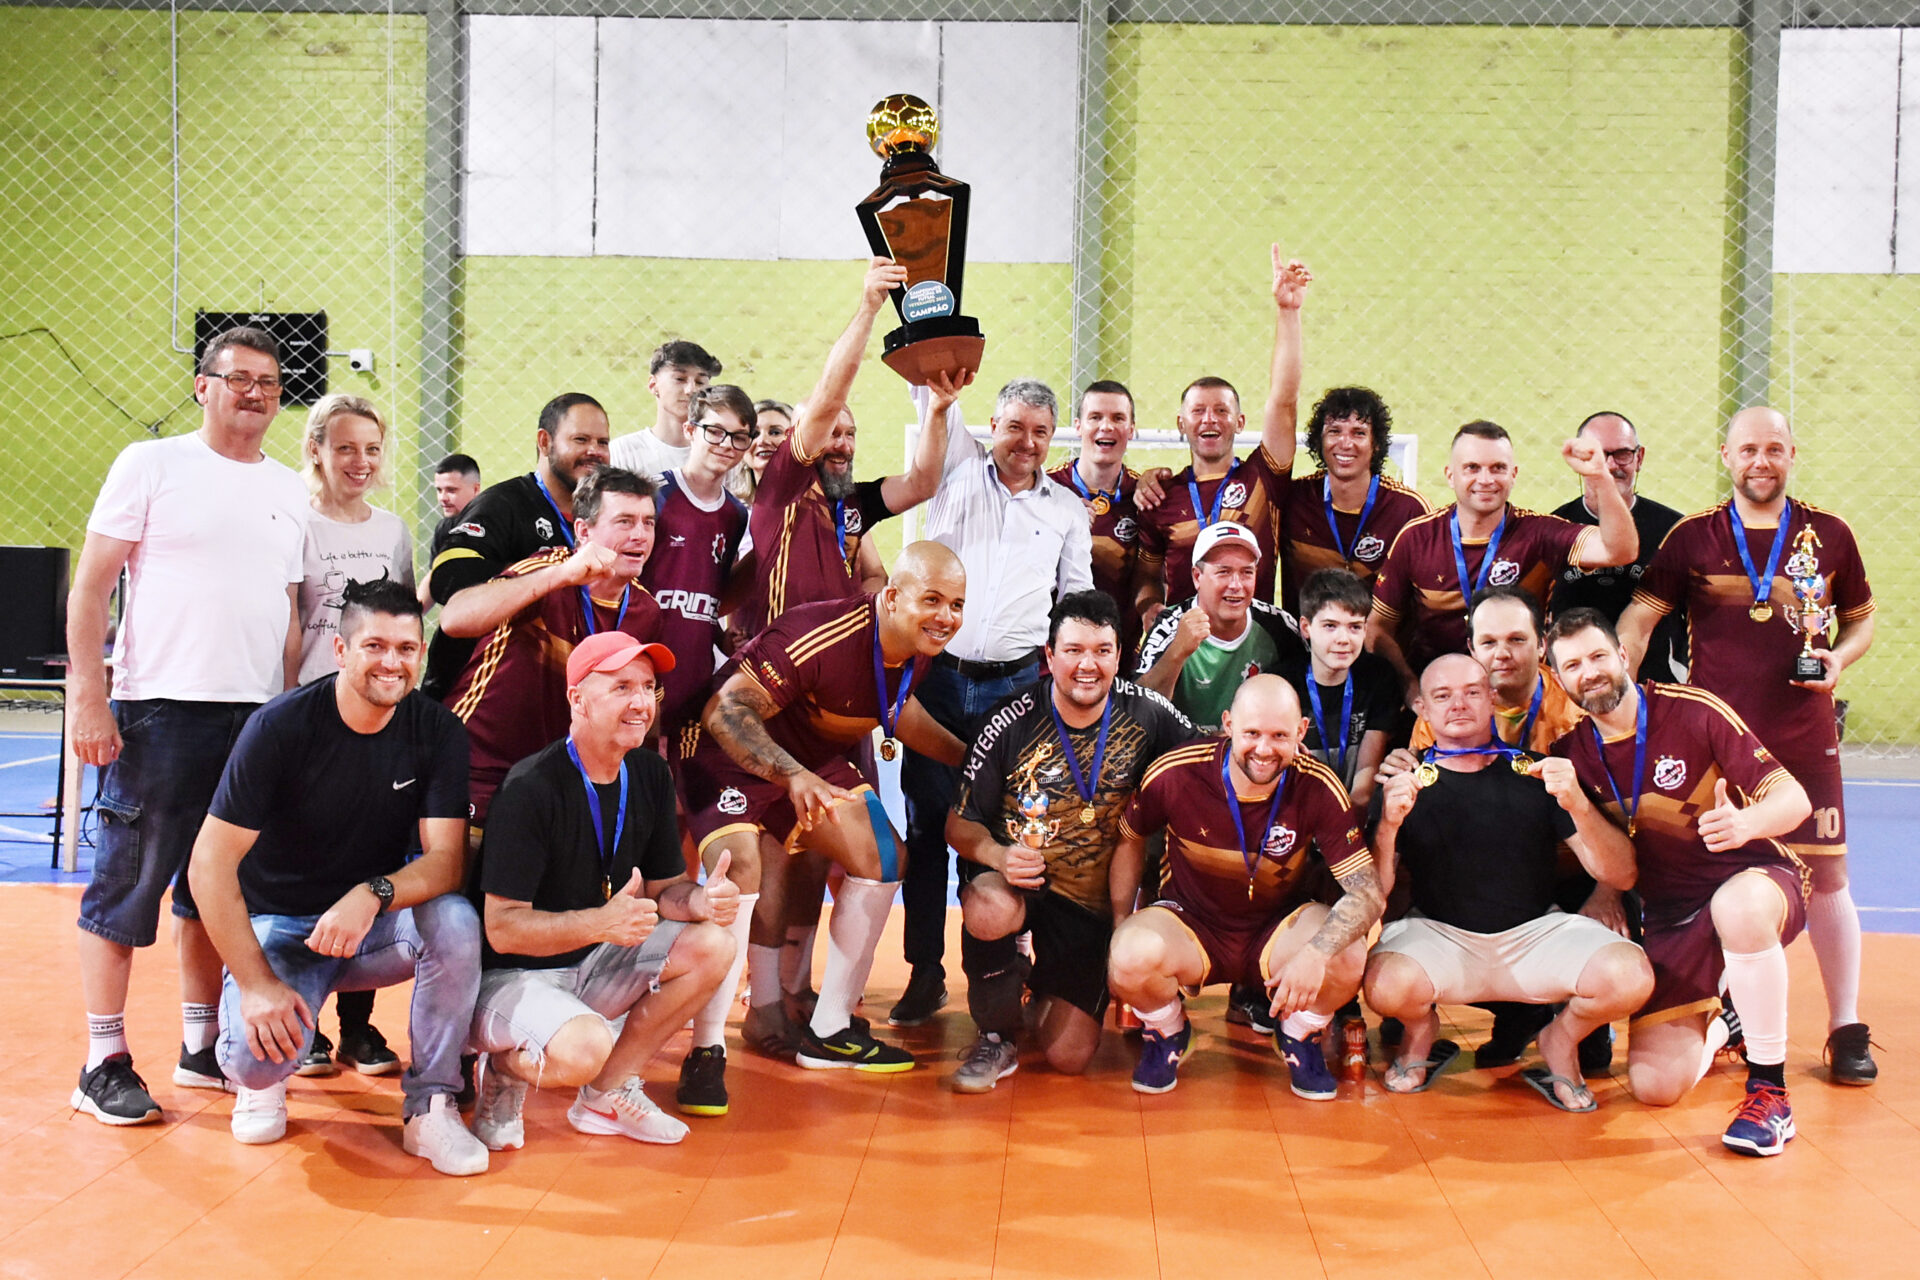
1882	815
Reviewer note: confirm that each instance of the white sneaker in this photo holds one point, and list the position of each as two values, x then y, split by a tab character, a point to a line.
438	1135
497	1110
626	1111
260	1115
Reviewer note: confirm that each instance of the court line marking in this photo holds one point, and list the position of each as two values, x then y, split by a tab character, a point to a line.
15	764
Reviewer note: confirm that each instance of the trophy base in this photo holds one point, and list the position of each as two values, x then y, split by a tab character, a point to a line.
920	349
1808	667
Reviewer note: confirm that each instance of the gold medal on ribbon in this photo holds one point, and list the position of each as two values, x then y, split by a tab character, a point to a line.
1101	505
1427	774
889	748
1761	611
1086	816
1633	827
1522	766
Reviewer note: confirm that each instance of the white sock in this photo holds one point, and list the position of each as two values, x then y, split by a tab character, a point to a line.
763	974
1302	1025
199	1024
106	1036
859	914
710	1024
796	959
1833	925
1717	1036
1757	981
1166	1020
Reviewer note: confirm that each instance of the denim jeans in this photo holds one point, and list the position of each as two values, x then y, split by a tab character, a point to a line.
959	704
152	800
435	944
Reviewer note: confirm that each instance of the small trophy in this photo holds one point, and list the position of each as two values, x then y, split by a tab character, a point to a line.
1812	616
918	217
1033	829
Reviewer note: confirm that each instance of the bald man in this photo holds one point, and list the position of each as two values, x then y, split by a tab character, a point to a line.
1249	820
1476	838
789	709
1738	570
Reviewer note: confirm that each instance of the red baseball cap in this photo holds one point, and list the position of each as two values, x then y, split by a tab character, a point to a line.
612	650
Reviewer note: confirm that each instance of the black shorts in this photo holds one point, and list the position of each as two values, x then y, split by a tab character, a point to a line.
1069	946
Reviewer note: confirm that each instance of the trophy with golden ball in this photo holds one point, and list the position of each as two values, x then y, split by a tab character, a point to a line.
1812	616
918	217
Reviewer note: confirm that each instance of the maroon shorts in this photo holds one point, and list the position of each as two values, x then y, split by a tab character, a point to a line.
1687	957
722	798
1233	955
1824	833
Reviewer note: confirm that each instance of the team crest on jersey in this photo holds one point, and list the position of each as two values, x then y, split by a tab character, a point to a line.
850	521
543	526
1504	573
1279	843
719	547
732	802
1369	548
1253	669
1236	495
471	529
1669	772
1124	529
771	676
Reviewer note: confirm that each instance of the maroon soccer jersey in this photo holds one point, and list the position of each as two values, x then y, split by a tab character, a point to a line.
693	553
1205	869
1255	494
1116	544
1420	582
1693	740
1749	664
799	555
1307	541
513	692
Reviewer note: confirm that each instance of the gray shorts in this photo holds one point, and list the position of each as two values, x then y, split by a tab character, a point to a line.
1538	962
525	1008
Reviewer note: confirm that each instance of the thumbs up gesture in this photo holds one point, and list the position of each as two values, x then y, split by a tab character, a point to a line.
627	918
722	894
1723	827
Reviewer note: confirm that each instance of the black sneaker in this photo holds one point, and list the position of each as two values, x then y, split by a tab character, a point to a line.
926	995
114	1093
703	1082
1249	1006
856	1048
319	1059
365	1050
1849	1058
201	1071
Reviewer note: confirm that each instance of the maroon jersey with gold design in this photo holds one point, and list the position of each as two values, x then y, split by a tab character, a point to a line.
1307	543
798	554
1206	873
1255	495
1116	545
513	692
1420	582
1693	740
1749	664
693	553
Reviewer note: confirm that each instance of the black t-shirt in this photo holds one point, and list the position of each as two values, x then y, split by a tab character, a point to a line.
333	807
540	846
507	523
441	532
1611	589
1479	849
1378	697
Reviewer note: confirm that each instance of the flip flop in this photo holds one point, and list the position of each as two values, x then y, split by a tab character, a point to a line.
1544	1082
1442	1053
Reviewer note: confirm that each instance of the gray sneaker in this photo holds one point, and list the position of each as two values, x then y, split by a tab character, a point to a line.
985	1064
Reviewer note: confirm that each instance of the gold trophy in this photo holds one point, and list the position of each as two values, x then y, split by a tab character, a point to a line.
1033	829
918	217
1810	613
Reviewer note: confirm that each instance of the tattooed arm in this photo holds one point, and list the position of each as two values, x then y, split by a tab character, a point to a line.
1298	984
737	717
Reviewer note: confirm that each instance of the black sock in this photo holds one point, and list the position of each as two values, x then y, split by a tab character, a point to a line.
1773	1073
355	1009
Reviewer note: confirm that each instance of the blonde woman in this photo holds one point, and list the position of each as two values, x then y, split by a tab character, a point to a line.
774	419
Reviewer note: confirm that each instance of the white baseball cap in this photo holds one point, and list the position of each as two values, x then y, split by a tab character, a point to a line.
1224	533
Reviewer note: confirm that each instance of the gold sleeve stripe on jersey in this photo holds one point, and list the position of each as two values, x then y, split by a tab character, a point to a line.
1858	611
1647	600
777	575
1713	701
1353	865
539	560
1126	830
453	553
486	664
1191	753
1580	545
827	634
1772	781
1385	612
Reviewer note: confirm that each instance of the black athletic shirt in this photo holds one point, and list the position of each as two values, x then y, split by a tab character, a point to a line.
1478	850
333	807
1378	697
507	523
1611	589
540	847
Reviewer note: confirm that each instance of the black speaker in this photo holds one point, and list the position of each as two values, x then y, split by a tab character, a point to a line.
33	626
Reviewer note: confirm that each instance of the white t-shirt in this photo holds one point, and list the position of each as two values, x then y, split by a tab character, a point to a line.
205	615
336	554
647	454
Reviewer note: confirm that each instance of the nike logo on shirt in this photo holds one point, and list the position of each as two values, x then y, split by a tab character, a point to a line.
401	785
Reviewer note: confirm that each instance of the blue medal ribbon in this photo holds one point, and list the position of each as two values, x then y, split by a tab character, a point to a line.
1319	719
599	823
888	719
1333	525
1460	556
1080	486
1193	491
1495	748
1251	856
1533	710
1762	582
1087	785
586	608
566	525
840	525
1632	810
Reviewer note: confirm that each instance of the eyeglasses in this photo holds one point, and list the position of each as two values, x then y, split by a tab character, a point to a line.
717	434
1622	457
242	383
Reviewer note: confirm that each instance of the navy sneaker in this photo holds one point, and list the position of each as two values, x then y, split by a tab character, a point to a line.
114	1093
1764	1123
1159	1068
1306	1067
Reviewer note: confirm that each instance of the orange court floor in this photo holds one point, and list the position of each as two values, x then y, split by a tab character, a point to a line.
837	1174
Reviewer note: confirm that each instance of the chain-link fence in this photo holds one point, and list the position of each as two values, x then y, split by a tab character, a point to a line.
1523	211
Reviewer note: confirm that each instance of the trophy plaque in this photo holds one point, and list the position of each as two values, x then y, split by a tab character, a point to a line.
918	217
1812	616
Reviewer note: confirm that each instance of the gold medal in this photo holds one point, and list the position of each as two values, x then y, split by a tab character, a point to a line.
1633	827
1762	611
1427	774
1522	766
889	748
1086	816
1100	504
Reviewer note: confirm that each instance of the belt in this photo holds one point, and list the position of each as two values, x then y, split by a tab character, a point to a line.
987	670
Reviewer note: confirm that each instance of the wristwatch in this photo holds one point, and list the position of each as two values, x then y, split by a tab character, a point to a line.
382	889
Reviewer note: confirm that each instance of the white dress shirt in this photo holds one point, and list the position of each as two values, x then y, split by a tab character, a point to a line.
1021	550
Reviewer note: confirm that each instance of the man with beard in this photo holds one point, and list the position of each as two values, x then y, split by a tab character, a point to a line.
512	520
1723	897
302	876
676	372
1250	821
1734	569
1036	828
1100	475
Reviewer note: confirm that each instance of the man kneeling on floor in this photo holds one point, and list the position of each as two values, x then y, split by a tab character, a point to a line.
1474	829
591	915
302	876
1238	909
